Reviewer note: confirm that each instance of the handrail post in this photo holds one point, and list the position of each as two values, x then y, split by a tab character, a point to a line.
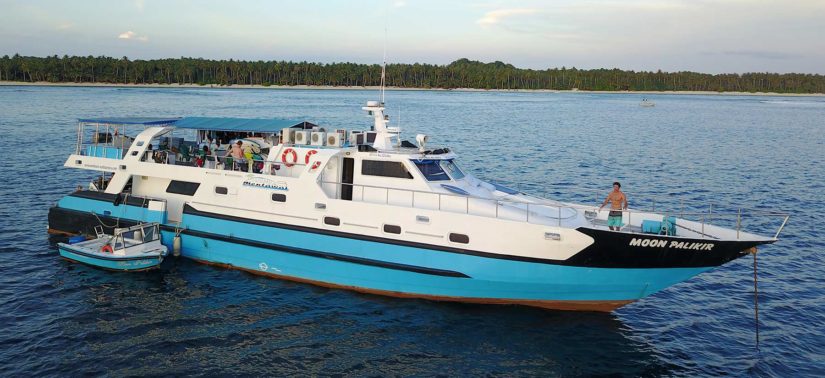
629	220
710	214
703	226
738	222
654	206
559	215
496	209
682	205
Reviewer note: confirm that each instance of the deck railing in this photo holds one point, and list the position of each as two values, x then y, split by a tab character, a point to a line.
538	210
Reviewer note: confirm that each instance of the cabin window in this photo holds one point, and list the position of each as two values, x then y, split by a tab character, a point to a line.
392	229
140	143
459	238
182	187
221	190
384	169
134	153
332	221
431	170
278	197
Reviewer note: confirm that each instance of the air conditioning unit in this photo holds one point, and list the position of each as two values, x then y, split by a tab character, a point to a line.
353	137
288	135
335	140
318	138
301	137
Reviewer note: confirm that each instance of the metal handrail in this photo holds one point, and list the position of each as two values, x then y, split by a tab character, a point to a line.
706	217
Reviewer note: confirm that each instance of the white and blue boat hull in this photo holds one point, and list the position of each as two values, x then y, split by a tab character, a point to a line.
394	268
108	261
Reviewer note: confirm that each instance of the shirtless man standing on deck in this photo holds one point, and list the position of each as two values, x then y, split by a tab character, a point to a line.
618	202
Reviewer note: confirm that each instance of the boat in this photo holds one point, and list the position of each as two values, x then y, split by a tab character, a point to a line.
135	248
366	210
647	103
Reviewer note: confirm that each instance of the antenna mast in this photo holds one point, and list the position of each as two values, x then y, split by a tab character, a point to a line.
384	65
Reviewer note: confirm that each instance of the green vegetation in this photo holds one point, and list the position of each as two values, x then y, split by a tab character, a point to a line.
462	73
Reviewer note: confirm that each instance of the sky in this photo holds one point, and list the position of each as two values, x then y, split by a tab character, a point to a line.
711	36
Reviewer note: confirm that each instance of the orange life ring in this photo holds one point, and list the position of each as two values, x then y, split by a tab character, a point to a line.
308	155
106	249
294	157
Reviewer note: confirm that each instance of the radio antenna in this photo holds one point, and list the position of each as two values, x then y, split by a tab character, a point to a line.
384	65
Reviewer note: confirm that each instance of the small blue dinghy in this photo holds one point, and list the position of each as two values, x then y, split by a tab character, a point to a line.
134	248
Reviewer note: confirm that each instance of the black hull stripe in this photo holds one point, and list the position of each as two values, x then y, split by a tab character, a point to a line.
327	255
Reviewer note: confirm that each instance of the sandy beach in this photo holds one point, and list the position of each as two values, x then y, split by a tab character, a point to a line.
327	87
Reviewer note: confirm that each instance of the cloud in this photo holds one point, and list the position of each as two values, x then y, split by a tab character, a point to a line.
139	5
400	4
64	26
497	16
132	35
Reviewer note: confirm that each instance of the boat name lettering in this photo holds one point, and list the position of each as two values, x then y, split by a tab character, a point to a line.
99	167
379	154
259	182
659	243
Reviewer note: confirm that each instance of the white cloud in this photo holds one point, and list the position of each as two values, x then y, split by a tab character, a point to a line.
132	35
400	4
65	26
139	5
497	16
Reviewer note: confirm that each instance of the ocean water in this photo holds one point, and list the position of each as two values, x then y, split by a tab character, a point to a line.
63	319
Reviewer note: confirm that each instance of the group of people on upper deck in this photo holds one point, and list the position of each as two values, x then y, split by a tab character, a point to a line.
211	154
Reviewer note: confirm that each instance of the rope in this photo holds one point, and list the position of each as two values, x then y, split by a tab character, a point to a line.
116	225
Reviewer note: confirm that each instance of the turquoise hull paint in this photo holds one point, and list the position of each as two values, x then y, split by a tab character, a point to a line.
489	278
113	264
121	211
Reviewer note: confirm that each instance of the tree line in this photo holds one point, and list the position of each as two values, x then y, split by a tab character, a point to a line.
462	73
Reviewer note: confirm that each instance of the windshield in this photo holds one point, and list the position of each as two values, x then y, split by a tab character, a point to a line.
439	170
452	169
431	170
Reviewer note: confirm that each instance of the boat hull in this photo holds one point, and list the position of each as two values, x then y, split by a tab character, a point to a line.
124	263
398	270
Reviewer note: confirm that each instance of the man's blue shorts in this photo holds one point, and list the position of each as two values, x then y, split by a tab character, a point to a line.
614	220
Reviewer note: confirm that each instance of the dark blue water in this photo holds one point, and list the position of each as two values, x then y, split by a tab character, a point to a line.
59	318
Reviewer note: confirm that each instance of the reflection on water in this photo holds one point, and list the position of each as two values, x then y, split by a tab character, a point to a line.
194	315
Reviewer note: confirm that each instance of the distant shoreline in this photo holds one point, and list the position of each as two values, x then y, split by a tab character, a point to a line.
327	87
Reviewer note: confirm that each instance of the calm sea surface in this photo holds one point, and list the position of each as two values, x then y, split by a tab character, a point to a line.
64	319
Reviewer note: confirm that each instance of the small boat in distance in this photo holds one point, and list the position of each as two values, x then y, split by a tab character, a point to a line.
133	248
646	103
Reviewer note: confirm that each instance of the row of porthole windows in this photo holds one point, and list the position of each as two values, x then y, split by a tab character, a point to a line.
393	229
276	197
333	221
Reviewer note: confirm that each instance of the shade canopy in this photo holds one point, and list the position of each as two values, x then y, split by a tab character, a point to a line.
236	124
146	121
